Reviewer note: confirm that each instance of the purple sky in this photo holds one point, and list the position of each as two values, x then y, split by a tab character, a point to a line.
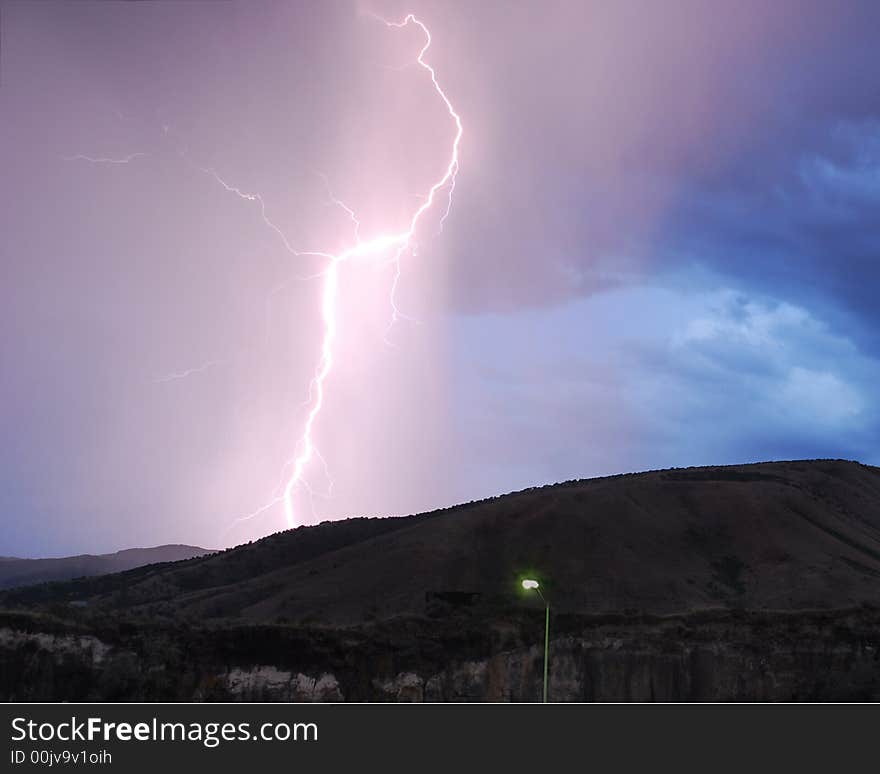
662	251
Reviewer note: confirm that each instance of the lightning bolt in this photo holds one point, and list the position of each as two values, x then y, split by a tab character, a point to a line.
400	242
188	372
395	243
103	160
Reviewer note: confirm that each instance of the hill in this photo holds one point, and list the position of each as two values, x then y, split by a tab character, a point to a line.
24	572
781	536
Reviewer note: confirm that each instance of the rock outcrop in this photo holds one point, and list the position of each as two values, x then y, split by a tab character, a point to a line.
709	656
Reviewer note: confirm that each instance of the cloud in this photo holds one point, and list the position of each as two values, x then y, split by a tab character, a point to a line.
820	397
753	375
654	377
623	145
811	231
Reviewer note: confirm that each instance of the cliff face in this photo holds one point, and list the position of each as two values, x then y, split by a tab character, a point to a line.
711	656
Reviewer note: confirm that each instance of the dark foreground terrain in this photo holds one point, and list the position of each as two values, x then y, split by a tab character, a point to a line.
754	582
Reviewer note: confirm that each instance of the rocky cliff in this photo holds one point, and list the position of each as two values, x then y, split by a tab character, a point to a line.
710	656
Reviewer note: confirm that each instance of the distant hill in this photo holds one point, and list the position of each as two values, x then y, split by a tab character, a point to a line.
23	572
770	536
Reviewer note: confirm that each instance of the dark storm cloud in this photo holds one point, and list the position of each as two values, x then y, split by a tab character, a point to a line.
634	139
813	232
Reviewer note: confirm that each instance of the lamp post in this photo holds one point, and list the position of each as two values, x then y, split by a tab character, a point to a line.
528	584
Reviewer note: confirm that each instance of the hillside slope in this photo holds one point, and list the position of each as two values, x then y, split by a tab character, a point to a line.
23	572
781	535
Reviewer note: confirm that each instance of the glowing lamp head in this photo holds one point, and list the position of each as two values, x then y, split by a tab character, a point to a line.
529	584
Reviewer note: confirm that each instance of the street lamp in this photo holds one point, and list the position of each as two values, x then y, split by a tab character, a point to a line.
529	584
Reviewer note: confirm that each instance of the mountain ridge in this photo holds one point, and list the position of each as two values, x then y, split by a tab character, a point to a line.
17	571
777	535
